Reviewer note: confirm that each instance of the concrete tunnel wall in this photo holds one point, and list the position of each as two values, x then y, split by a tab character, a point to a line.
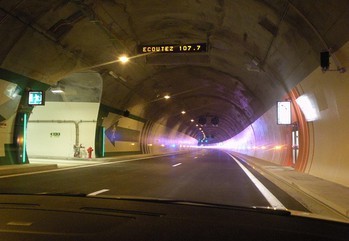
34	59
134	135
147	139
55	128
324	142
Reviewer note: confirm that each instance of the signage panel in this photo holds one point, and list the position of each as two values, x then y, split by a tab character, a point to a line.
173	48
284	113
36	97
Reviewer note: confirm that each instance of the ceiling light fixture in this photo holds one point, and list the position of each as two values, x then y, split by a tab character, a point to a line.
167	97
115	76
124	59
183	112
57	89
254	65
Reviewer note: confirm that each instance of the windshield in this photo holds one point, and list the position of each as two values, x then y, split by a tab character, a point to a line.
237	102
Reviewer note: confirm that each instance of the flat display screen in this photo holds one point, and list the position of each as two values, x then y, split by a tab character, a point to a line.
284	113
36	97
173	48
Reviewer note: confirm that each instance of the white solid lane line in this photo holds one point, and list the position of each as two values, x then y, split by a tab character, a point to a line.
176	165
273	201
19	223
75	167
97	192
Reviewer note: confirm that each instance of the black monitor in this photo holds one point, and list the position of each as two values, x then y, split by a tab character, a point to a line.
36	97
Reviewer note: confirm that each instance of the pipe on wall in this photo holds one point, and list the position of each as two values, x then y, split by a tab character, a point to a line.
76	123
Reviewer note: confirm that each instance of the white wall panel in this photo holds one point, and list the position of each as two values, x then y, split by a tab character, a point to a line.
56	139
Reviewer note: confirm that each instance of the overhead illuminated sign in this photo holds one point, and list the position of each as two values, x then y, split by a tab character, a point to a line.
173	48
284	113
36	97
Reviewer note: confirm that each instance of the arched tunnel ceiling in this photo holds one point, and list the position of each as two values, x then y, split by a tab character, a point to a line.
257	50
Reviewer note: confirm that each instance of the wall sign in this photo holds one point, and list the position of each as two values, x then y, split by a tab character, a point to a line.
284	113
55	134
36	97
173	48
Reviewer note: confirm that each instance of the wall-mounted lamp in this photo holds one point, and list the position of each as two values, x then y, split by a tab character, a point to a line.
307	103
57	89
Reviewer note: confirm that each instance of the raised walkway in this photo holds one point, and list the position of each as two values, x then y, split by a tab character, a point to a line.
318	195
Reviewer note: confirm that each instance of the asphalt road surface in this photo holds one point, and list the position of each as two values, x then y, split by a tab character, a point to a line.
202	175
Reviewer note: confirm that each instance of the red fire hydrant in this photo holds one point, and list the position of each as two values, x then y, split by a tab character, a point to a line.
89	150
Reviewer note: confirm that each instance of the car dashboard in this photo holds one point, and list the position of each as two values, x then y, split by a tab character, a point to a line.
61	217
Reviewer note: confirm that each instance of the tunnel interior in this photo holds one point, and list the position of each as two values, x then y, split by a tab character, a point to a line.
233	61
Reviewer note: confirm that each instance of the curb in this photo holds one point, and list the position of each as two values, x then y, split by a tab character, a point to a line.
24	168
338	208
